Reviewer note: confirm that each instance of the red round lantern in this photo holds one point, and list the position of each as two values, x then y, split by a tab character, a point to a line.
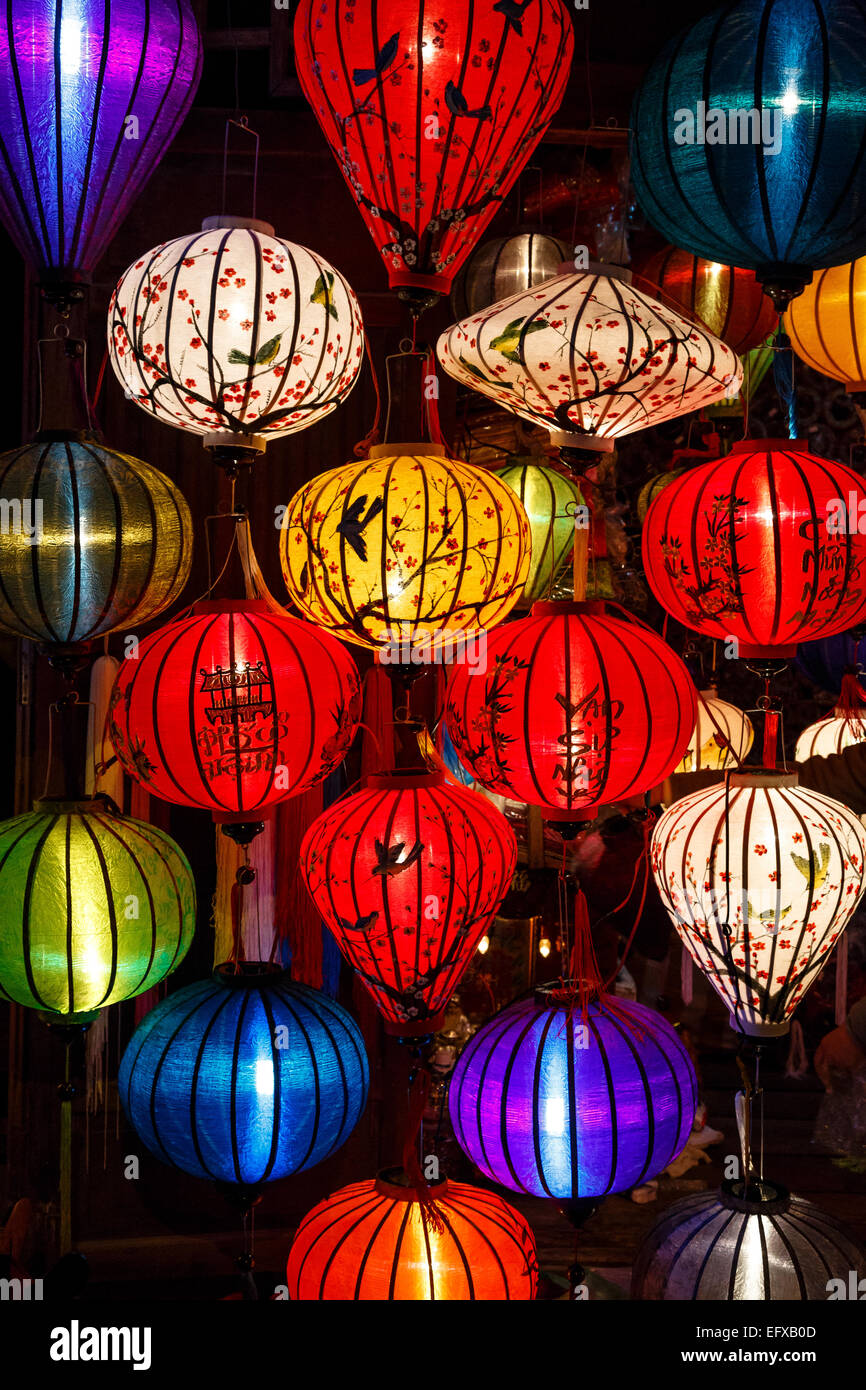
576	709
408	874
760	547
377	1241
234	708
432	111
729	300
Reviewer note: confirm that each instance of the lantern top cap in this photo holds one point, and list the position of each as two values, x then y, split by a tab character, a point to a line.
567	608
396	1184
233	605
79	806
764	1198
401	781
763	777
250	224
765	446
427	449
251	974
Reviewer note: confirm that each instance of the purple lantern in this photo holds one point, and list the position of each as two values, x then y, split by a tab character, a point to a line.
91	94
546	1103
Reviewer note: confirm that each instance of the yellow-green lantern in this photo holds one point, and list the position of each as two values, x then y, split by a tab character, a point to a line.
551	501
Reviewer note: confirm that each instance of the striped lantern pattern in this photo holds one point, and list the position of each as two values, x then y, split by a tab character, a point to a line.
759	878
756	546
405	546
408	874
234	708
721	738
589	355
545	1103
374	1241
244	1078
827	324
94	541
96	907
575	709
829	736
550	500
505	266
431	111
234	331
91	96
728	300
772	1246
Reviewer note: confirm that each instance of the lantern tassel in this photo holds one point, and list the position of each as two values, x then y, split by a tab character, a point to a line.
687	977
852	697
419	1092
842	980
783	375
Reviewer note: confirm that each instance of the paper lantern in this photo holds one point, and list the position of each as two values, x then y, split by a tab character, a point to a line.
749	136
235	334
91	96
406	544
505	266
408	874
576	709
827	324
550	500
825	660
96	540
244	1078
545	1103
845	726
591	356
756	546
96	907
375	1241
726	1247
728	300
234	709
721	738
759	878
431	113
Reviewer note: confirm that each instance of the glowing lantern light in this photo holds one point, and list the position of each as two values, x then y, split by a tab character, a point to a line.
550	500
375	1240
103	541
759	881
408	874
244	1078
754	547
576	709
550	1105
589	356
827	324
96	907
91	96
727	299
235	334
405	545
722	736
505	266
234	709
432	112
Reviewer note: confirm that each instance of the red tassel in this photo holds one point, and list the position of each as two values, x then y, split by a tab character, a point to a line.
297	920
377	748
771	737
418	1095
852	698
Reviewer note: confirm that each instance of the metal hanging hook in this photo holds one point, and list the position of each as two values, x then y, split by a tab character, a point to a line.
241	124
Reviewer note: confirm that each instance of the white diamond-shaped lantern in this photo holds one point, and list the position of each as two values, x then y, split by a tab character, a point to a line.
589	357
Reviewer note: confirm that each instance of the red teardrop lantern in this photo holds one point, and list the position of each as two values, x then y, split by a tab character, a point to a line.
408	874
761	546
234	708
729	300
576	709
432	111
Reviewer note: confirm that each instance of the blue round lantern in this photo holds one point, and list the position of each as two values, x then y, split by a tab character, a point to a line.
546	1102
749	143
245	1078
825	660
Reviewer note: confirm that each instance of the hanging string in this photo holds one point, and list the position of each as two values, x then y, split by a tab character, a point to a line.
783	375
98	392
373	436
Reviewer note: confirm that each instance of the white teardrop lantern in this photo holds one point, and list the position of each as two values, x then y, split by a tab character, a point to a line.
722	736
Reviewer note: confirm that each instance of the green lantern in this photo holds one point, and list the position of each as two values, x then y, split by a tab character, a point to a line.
756	363
96	907
550	500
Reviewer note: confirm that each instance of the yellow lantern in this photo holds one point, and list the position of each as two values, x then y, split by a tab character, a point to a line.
551	502
827	324
407	551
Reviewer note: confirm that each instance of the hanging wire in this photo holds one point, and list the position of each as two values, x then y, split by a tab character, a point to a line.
61	335
241	124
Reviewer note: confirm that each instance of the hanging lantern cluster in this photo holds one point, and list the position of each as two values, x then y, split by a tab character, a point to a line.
826	324
506	266
551	501
760	877
409	544
431	112
728	300
408	874
721	738
378	1241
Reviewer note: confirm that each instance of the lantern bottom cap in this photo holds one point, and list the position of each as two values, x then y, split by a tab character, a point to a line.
593	442
404	279
235	443
746	651
414	1028
759	1030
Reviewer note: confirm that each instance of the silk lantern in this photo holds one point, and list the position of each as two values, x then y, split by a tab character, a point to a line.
826	324
757	546
377	1241
505	266
845	726
103	541
546	1103
431	113
728	300
97	907
407	875
406	544
749	138
728	1246
590	357
721	738
234	334
551	501
576	709
91	96
234	708
759	877
244	1078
